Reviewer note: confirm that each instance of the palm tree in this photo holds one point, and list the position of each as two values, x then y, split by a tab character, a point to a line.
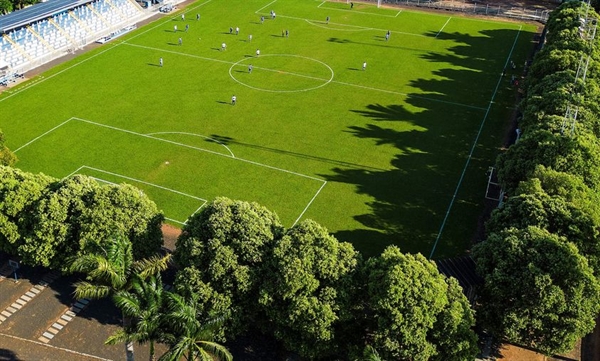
144	303
370	354
190	338
112	272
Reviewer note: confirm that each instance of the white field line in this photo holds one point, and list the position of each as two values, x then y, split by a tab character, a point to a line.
198	149
315	22
355	11
316	78
196	211
232	63
151	137
176	221
39	136
111	46
169	19
197	135
143	182
412	95
54	347
399	12
309	203
272	2
319	24
439	235
115	184
194	8
179	53
447	21
202	200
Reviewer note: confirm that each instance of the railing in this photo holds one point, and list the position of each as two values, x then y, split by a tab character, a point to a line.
476	8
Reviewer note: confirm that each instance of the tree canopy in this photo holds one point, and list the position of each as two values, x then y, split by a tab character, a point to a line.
539	290
227	244
308	291
44	220
415	313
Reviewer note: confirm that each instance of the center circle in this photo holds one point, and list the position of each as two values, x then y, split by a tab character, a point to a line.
300	72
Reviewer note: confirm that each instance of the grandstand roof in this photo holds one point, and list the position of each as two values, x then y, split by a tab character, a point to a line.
37	12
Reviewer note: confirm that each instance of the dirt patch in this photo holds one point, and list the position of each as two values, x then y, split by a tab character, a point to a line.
170	234
510	352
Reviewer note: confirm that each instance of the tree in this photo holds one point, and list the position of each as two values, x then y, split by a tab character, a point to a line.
6	7
539	290
6	156
307	289
370	354
564	213
415	313
113	271
452	332
19	193
76	214
227	243
190	337
144	303
578	156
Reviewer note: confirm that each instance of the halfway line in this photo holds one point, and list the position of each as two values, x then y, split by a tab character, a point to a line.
412	95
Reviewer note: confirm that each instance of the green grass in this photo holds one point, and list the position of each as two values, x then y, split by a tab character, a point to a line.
375	155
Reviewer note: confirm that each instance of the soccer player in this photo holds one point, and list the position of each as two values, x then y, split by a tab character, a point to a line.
233	100
175	28
230	30
250	67
287	33
182	17
160	62
197	17
365	65
223	47
180	41
187	27
262	19
327	20
237	30
257	52
250	38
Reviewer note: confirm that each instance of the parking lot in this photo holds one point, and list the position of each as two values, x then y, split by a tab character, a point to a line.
40	320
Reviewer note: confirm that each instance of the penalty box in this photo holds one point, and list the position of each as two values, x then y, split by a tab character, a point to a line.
179	171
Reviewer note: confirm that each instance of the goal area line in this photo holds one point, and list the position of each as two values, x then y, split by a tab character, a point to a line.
226	154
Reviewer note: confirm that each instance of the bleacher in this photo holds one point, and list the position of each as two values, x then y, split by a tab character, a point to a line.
45	31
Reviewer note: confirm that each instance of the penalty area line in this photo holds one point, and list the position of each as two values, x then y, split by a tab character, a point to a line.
309	203
272	2
42	135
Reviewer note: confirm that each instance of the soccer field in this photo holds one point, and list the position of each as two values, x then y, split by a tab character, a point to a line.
392	154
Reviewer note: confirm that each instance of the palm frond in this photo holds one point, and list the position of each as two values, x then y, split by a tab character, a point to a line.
120	336
215	350
151	266
128	303
177	351
88	290
85	263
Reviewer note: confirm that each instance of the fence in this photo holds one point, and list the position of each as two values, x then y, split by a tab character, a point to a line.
475	8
